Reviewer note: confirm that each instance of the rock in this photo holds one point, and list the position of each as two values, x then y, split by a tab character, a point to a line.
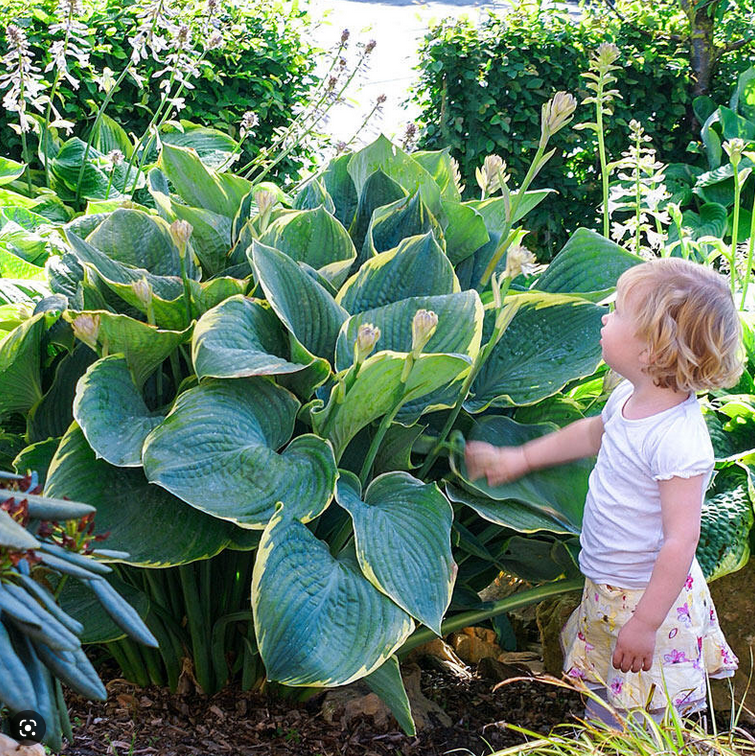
496	670
733	596
440	654
475	643
9	747
551	616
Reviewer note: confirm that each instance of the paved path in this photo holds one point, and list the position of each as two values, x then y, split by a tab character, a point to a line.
398	27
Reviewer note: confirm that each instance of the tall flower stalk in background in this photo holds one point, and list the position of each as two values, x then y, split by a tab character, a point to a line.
25	86
74	45
600	78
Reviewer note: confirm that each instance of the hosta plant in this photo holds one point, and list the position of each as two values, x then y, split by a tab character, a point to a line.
261	394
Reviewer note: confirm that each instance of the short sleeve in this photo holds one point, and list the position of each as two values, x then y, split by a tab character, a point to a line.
616	401
684	450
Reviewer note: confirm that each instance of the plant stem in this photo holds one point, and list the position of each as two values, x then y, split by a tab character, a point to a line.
602	154
637	198
518	600
92	134
750	246
377	440
735	224
22	110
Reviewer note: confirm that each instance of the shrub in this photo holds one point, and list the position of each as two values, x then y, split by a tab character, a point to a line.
265	65
481	90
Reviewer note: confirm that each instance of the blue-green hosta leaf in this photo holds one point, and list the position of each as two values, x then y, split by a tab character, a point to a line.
307	310
111	412
379	190
313	237
239	338
556	492
213	147
399	220
111	136
441	166
465	232
312	195
402	531
399	166
15	267
20	355
508	513
341	188
139	240
201	186
735	126
25	218
154	527
378	388
216	450
211	232
553	339
386	683
10	170
16	291
36	458
459	330
144	346
417	267
317	619
588	265
711	139
493	209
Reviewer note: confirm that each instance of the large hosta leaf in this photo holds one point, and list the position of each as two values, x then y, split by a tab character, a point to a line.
137	239
217	447
399	220
201	186
465	231
417	267
444	170
239	338
399	166
307	310
378	190
402	531
378	388
317	619
314	237
144	346
557	492
459	327
386	682
553	339
111	412
213	147
493	209
588	265
10	170
154	527
20	379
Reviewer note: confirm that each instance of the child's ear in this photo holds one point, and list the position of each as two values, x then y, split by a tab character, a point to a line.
646	356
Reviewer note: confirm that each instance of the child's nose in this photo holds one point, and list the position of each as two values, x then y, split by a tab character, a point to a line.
604	319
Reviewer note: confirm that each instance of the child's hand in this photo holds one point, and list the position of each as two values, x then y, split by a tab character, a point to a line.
634	646
497	464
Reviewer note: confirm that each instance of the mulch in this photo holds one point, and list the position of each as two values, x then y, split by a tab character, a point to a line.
139	721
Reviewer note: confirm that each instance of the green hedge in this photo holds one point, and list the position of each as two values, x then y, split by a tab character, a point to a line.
266	65
481	90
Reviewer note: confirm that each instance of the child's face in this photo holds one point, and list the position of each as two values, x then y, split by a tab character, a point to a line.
622	349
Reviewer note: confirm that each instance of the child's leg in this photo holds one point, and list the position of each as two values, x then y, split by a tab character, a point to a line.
595	711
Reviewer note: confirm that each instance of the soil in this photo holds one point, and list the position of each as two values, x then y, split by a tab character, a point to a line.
139	721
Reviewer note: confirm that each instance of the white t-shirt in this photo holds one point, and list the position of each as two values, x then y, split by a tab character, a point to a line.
622	529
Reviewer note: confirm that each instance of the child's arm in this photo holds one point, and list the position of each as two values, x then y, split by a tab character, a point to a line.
501	464
681	499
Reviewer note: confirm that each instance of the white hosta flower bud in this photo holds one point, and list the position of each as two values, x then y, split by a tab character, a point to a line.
180	231
607	54
143	291
493	170
556	113
519	260
265	200
367	337
734	149
423	327
115	157
86	328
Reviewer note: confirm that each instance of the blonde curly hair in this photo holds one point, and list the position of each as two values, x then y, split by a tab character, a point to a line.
686	314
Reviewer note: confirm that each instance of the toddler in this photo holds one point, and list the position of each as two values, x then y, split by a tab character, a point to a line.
646	627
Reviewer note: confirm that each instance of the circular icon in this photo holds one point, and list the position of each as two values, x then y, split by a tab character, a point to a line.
27	727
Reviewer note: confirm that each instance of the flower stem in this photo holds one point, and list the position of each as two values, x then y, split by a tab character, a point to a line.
735	224
602	154
748	265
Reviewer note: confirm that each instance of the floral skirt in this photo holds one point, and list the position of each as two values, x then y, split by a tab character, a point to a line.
689	645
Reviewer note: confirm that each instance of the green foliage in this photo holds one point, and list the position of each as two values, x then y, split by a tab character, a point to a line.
44	542
265	65
481	90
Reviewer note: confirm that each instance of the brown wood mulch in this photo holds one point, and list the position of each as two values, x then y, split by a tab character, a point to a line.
152	721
